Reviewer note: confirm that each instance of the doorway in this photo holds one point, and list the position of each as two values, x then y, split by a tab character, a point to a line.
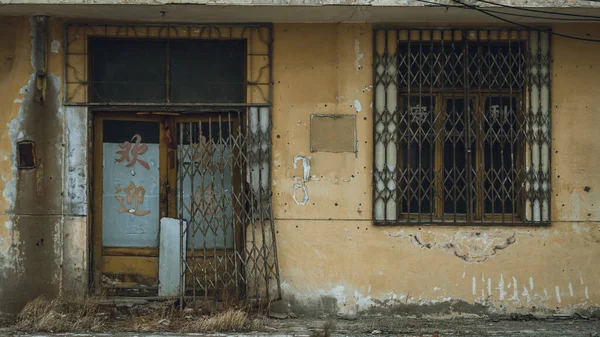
152	166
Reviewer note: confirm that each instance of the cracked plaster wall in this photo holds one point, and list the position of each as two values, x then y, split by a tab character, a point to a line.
41	251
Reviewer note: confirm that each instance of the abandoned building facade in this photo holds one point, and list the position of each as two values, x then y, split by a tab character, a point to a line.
365	157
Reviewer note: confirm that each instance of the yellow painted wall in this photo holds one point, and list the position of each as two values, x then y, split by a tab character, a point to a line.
329	248
31	219
331	257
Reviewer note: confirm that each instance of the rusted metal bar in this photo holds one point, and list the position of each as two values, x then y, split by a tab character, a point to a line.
479	144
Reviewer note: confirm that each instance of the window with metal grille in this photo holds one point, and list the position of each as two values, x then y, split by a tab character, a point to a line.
461	127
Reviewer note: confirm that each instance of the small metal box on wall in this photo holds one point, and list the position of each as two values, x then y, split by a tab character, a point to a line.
333	133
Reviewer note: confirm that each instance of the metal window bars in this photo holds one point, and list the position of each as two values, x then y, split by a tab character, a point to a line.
461	126
224	202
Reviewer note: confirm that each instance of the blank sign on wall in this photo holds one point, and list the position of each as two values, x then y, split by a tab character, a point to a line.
332	133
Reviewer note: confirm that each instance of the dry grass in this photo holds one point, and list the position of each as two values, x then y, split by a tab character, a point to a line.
56	315
228	320
164	318
327	330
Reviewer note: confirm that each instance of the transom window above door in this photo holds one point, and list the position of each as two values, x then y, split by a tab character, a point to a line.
173	65
178	71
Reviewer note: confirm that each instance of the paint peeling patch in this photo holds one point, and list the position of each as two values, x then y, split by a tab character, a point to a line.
300	183
18	101
526	294
4	243
470	246
357	106
55	46
515	286
15	134
358	55
363	302
501	292
346	301
571	290
367	88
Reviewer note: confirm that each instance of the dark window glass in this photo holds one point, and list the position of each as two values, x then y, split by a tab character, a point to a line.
417	147
498	65
500	154
217	132
128	70
207	71
455	170
119	131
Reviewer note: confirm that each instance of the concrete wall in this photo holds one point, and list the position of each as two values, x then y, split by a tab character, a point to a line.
332	259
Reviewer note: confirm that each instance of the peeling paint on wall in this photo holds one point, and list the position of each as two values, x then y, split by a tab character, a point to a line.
357	106
359	55
55	46
300	183
31	250
470	246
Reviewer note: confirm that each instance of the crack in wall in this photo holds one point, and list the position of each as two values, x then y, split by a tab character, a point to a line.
469	246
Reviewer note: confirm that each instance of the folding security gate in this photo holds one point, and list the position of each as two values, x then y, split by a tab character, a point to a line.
224	203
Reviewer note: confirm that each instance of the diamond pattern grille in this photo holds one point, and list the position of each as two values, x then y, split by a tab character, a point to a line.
225	200
461	126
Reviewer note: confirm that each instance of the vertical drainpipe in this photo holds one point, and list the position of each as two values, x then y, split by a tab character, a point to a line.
39	49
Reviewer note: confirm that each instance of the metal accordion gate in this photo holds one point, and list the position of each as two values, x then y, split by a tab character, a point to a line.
224	203
461	126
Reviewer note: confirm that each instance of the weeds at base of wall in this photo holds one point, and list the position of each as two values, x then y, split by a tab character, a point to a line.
328	329
56	315
93	315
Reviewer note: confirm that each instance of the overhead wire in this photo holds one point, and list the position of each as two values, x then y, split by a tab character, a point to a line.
437	4
537	10
527	26
463	5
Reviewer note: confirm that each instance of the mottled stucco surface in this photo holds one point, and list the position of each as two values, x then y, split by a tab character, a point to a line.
332	259
33	214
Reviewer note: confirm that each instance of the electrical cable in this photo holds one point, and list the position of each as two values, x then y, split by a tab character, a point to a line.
537	10
436	4
525	26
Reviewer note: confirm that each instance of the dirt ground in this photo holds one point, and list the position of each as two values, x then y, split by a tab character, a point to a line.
97	316
379	326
